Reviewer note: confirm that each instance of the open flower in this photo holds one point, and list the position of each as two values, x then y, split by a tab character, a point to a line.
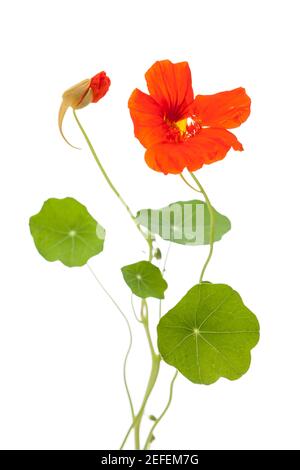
80	95
179	130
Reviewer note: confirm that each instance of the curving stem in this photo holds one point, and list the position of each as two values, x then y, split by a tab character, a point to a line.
153	375
212	225
136	419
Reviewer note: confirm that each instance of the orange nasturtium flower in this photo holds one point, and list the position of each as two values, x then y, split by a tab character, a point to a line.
80	95
179	130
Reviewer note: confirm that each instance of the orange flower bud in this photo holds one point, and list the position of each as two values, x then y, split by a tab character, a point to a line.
83	93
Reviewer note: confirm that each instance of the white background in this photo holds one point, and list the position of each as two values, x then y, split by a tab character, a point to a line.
61	341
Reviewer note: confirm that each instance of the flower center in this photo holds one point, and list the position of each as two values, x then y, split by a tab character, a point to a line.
184	129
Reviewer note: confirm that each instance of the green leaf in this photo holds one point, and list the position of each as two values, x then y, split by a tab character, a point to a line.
145	280
64	230
209	334
184	222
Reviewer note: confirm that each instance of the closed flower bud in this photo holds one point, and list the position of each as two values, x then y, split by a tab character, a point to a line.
83	93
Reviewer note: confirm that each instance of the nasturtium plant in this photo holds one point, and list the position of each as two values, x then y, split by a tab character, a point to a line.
208	334
145	280
64	230
184	222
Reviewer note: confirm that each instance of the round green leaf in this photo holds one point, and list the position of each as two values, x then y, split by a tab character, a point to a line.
209	334
145	280
184	222
64	230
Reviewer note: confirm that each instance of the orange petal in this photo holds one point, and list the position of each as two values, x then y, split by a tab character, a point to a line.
227	109
171	87
100	84
149	125
166	157
209	146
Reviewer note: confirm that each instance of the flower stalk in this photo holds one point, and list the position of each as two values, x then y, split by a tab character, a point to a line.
155	358
211	225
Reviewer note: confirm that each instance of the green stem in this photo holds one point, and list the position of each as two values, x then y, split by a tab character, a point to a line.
152	379
108	180
212	225
163	272
133	309
130	338
150	435
150	245
127	435
155	357
188	184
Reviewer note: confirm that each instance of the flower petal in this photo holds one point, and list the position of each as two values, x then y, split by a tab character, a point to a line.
100	84
171	87
209	146
149	125
166	157
227	109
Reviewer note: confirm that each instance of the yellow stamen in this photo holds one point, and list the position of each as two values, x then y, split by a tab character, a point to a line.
182	125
